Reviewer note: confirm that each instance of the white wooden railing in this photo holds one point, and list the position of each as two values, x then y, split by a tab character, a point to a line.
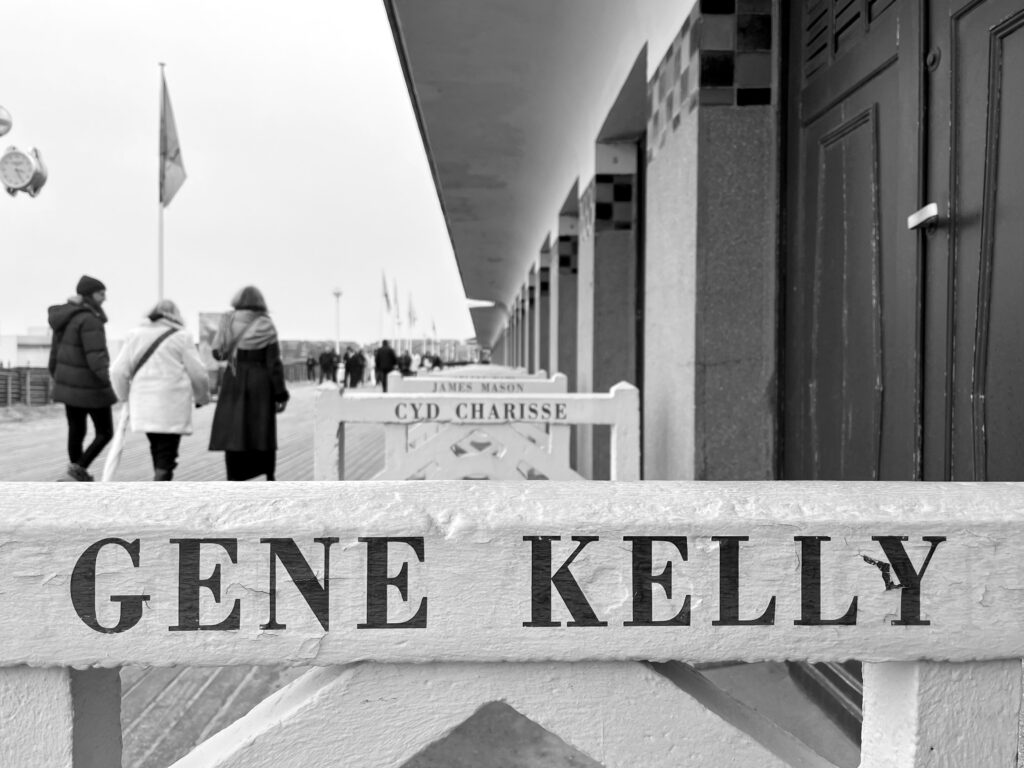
483	380
499	435
430	583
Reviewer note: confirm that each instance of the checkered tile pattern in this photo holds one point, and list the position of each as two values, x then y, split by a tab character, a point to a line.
722	56
613	201
568	254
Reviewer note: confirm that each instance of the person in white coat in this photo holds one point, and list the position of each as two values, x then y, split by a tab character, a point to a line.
163	389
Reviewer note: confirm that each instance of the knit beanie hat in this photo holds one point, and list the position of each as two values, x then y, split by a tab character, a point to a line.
87	286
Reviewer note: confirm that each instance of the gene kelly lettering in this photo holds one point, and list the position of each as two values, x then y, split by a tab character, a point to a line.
897	571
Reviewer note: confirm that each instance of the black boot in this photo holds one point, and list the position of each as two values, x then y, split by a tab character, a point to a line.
163	474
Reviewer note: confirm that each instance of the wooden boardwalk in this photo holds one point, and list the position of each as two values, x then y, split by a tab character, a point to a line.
34	449
166	711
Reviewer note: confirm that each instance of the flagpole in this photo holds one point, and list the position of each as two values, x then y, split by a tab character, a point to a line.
160	203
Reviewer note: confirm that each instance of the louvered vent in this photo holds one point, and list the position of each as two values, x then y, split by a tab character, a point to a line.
833	26
816	36
849	24
876	7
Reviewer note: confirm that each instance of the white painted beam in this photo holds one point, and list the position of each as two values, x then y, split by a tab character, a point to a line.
477	571
621	715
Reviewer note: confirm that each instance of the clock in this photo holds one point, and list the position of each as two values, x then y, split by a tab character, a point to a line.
22	171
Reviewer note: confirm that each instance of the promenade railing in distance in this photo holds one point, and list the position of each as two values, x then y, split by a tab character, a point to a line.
507	434
26	386
574	602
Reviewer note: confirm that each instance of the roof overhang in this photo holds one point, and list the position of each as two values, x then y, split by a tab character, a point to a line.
510	96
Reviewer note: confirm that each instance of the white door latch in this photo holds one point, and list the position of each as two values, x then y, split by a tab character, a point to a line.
924	216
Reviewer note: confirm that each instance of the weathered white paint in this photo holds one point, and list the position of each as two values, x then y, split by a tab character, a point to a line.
927	715
477	570
36	717
506	450
622	715
620	408
477	381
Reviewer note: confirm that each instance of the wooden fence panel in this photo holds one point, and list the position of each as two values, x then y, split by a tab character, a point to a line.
400	412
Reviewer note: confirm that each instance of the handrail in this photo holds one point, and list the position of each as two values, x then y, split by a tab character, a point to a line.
784	571
570	581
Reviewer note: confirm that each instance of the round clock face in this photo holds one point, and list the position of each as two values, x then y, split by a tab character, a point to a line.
16	169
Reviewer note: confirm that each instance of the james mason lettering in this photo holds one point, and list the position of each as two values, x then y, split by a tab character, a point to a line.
896	569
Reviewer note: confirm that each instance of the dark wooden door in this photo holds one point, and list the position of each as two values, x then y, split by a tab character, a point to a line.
904	350
852	289
974	415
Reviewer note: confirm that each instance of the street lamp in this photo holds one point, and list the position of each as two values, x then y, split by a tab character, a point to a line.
337	321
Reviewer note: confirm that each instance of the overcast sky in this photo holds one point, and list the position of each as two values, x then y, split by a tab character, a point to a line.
305	167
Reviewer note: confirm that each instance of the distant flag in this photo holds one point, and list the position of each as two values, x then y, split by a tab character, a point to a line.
398	309
387	298
172	169
412	313
433	328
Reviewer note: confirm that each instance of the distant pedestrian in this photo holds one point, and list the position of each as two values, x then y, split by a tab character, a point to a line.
384	363
310	367
405	363
326	365
354	364
160	374
253	391
370	373
335	366
80	367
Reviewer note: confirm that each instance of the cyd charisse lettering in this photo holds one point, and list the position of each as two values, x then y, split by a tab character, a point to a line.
417	411
511	411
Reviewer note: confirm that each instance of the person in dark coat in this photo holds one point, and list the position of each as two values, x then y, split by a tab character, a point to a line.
326	363
310	367
385	362
355	362
80	367
253	391
335	366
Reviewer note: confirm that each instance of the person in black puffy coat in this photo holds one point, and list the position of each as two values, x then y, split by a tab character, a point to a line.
80	367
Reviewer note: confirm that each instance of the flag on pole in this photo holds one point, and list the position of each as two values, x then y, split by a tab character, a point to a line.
172	169
387	297
412	313
398	310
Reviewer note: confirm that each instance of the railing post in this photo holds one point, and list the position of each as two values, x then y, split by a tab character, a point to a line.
326	456
59	717
625	451
919	714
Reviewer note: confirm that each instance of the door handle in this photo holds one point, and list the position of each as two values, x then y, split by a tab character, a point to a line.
923	216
